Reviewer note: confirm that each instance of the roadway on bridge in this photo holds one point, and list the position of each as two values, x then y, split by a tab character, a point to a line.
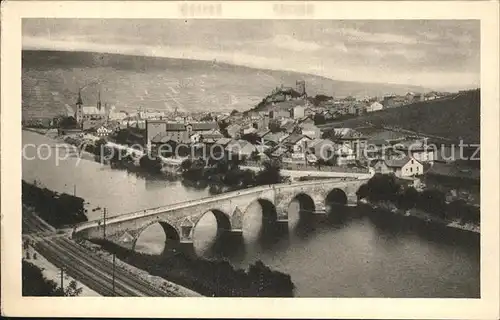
82	264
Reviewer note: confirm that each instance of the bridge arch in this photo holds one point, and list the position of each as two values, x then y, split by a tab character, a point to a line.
172	234
222	220
305	201
335	198
269	213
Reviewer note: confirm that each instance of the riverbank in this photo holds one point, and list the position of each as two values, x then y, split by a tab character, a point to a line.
164	284
216	278
171	167
57	209
41	131
421	215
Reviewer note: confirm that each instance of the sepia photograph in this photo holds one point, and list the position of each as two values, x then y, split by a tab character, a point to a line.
210	157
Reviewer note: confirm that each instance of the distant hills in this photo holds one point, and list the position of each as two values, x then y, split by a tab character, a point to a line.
455	117
50	80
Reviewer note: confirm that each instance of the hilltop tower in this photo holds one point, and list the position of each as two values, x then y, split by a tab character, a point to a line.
79	109
300	87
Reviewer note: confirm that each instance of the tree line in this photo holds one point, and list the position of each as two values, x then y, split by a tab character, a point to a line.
35	284
385	188
57	209
228	172
211	278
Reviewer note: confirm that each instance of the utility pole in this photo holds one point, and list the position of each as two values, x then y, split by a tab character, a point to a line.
62	280
114	256
74	190
104	223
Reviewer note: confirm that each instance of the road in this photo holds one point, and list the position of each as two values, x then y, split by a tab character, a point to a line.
82	264
294	174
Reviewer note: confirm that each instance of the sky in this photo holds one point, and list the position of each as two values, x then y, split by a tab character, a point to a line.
439	54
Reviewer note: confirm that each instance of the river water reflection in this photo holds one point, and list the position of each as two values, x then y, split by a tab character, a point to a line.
357	256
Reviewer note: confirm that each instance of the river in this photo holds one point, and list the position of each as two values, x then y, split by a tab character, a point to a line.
356	256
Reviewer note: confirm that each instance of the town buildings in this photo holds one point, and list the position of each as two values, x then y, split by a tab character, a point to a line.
298	112
418	149
323	149
374	106
405	167
161	131
310	130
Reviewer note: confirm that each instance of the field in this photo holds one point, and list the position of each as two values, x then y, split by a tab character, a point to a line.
50	81
454	118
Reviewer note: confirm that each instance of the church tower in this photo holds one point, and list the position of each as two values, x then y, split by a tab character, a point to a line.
99	100
102	109
79	109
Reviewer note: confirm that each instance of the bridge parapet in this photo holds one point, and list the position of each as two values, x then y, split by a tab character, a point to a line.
179	220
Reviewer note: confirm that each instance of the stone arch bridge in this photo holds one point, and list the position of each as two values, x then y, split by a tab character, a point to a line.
179	220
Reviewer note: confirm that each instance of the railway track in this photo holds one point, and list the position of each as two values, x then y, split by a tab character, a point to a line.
82	264
94	271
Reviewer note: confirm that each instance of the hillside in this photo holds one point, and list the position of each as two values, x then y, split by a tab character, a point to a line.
455	118
50	79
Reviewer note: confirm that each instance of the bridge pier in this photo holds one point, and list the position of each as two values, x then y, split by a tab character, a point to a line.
186	248
281	215
234	232
281	224
320	208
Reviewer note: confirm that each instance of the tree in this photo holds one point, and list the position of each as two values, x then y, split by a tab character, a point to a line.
459	209
234	177
248	177
151	164
255	156
223	128
72	289
186	164
35	284
234	162
433	201
100	148
222	165
274	126
67	123
270	174
319	118
408	199
234	112
363	191
253	138
456	209
332	135
382	187
207	117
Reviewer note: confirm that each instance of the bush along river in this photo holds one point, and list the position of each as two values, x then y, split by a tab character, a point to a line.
352	252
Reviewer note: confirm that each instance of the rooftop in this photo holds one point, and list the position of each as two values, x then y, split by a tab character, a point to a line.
293	138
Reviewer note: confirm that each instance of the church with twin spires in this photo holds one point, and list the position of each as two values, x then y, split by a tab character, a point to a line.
89	116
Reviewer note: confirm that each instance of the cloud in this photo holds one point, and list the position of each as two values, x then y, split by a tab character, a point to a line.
290	43
355	35
373	51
